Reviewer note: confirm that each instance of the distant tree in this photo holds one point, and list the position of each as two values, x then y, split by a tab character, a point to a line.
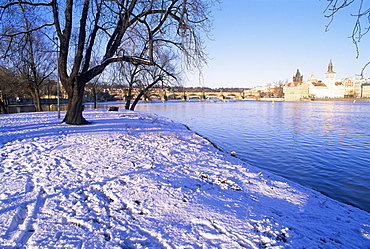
104	26
166	74
145	77
28	54
34	65
94	87
130	74
278	89
362	19
5	79
11	85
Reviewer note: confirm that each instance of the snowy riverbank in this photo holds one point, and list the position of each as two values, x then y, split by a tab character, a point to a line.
134	180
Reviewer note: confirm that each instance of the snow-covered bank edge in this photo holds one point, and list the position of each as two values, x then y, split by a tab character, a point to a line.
136	180
210	141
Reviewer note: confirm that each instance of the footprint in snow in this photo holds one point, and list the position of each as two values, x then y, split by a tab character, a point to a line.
18	219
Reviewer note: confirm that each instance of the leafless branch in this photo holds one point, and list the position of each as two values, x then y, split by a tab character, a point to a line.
27	31
24	2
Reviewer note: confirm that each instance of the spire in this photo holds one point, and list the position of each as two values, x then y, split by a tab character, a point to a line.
298	77
330	67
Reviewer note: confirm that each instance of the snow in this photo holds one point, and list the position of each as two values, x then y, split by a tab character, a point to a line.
136	180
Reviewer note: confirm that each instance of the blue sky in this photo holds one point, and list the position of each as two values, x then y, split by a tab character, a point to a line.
256	42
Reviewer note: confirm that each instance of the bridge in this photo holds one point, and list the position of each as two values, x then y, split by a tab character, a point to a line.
193	94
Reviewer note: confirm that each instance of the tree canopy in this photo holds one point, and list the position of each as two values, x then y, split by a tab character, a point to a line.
89	35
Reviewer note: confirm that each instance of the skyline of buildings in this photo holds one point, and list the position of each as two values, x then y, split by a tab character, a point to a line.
329	87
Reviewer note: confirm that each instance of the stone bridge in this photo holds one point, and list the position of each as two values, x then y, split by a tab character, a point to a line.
164	95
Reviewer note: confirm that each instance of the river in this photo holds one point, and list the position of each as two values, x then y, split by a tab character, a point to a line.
321	145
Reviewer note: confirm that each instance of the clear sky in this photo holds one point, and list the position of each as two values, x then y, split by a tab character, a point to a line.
256	42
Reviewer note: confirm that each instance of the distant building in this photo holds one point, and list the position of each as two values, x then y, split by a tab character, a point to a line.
298	77
365	90
296	90
329	87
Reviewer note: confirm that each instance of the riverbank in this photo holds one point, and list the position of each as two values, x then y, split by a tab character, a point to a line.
140	181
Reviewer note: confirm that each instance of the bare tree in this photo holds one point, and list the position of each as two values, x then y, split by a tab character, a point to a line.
145	77
10	84
361	24
5	79
28	54
166	74
278	89
130	74
34	65
103	26
93	86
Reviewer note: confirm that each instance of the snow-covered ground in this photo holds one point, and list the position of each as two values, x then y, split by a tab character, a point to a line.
135	180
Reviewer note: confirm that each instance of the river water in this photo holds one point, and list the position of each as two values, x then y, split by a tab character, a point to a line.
321	145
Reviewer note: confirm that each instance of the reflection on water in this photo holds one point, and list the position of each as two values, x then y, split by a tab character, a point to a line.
322	145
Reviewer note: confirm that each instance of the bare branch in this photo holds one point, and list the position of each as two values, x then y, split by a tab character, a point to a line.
81	38
363	69
92	38
27	31
24	2
333	8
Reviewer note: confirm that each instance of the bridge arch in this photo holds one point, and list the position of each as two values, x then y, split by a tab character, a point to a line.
212	96
174	96
193	96
230	96
154	96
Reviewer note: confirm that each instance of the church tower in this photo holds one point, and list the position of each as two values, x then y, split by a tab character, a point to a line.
330	74
298	77
330	67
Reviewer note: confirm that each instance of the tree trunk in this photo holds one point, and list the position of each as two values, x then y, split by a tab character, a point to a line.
75	105
128	98
142	92
2	108
37	103
137	100
95	97
35	94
